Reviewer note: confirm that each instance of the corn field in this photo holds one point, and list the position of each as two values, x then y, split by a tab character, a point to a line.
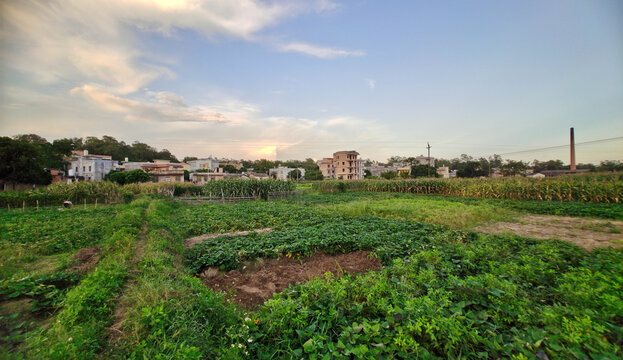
108	192
587	188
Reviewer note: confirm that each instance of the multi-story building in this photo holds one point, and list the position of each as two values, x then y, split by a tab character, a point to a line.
203	164
164	172
90	167
343	165
281	173
424	160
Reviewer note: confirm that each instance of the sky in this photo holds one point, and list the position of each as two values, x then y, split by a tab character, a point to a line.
303	79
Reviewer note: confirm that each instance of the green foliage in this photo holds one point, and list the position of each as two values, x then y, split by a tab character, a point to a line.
128	177
80	328
295	174
443	294
53	231
313	174
587	188
389	175
20	163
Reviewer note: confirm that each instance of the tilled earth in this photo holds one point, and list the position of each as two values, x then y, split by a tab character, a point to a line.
261	279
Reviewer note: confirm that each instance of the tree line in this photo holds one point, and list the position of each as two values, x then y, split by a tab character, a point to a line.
469	167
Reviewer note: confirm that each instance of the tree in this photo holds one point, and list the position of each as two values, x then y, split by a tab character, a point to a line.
137	176
389	175
470	169
263	165
295	174
421	171
189	158
20	162
610	165
128	177
313	175
230	169
367	174
512	167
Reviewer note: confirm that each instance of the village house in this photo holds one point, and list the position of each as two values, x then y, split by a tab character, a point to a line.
203	164
164	172
281	173
89	167
343	165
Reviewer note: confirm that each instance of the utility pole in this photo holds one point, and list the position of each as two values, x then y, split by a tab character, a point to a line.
428	148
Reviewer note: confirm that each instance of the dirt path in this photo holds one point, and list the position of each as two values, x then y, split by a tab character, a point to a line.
190	242
587	233
260	280
121	307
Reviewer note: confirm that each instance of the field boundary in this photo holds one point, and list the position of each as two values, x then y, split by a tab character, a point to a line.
191	242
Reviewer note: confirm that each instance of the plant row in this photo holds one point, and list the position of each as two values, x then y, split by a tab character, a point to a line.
443	294
80	328
109	192
584	189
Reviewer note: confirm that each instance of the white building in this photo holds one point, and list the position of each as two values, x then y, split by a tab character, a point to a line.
423	160
203	164
90	167
281	173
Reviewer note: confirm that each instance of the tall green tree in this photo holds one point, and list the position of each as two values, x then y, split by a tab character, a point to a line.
20	162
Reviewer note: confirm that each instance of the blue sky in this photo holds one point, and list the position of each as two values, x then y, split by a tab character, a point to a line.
298	79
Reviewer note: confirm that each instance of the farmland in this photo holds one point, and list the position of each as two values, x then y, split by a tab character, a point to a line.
443	286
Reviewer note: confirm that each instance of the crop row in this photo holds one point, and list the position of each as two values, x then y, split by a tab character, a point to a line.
443	294
585	189
80	329
109	192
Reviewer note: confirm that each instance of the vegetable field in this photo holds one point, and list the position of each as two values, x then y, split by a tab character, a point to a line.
444	290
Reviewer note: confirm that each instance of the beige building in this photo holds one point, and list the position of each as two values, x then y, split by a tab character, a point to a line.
164	172
343	165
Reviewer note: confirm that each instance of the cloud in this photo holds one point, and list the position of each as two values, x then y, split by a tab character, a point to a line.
165	111
371	83
319	51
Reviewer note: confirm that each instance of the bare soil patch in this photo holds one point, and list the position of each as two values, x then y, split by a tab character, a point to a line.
587	233
261	279
85	259
190	242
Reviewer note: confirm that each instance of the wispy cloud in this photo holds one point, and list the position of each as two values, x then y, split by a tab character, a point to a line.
371	83
165	111
319	51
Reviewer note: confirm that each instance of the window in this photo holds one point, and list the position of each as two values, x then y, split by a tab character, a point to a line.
89	169
76	169
84	168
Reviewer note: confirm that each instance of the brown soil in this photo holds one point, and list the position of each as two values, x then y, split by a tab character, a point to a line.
85	259
190	242
587	233
261	279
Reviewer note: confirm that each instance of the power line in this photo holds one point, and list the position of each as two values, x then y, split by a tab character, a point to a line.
561	146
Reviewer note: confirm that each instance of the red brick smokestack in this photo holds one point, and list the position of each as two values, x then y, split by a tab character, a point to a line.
572	151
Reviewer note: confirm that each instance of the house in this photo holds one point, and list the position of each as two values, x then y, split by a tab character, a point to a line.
445	172
377	170
258	176
164	172
237	165
424	160
403	170
90	167
203	164
281	173
201	178
343	165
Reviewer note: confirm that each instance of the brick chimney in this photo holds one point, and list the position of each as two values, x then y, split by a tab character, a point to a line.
572	150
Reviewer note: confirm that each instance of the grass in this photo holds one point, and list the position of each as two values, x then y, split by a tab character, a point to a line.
437	211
